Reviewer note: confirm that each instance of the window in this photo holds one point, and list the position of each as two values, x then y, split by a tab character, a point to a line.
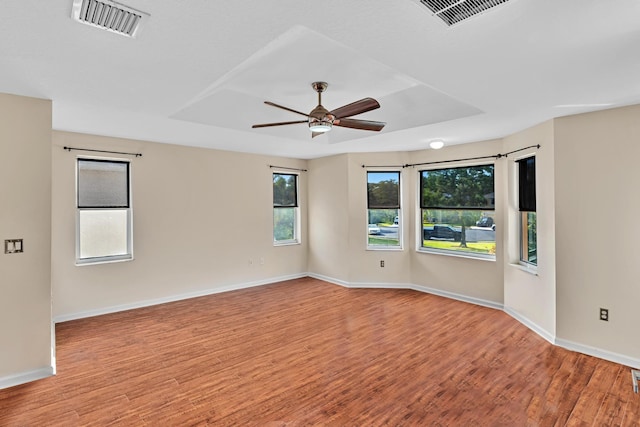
458	211
104	211
383	209
285	208
527	207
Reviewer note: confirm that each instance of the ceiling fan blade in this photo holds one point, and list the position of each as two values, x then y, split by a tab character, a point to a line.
265	125
359	124
358	107
285	108
314	134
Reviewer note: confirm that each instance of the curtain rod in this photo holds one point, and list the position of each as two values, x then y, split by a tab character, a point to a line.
290	169
495	156
103	151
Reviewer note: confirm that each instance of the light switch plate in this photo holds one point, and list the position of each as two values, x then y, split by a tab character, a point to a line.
13	246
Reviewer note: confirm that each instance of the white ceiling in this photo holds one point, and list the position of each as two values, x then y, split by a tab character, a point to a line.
200	70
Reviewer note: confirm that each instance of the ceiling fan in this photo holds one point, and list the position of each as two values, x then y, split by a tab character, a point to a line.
320	120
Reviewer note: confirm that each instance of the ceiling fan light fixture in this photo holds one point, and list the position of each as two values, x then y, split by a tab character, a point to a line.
321	126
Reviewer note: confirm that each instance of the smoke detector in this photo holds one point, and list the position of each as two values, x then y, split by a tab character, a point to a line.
109	15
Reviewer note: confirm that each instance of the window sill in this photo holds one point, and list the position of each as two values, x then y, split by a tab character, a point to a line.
479	257
385	248
287	243
95	261
527	268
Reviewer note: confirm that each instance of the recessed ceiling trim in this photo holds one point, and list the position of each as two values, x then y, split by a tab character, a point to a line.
109	15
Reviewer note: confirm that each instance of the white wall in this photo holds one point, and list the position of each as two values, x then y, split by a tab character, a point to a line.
597	234
199	217
530	295
25	213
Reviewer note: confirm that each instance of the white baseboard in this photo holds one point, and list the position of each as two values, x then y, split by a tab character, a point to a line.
25	377
146	303
531	325
459	297
599	353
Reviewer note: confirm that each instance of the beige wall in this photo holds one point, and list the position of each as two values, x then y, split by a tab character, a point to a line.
475	278
597	214
202	222
530	294
25	212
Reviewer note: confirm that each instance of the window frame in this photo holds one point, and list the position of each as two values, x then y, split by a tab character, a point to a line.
128	209
526	205
296	214
420	210
397	207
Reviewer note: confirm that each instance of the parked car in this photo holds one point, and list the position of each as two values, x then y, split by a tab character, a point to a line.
374	229
486	222
443	231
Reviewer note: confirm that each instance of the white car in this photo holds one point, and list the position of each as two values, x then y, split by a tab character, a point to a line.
374	229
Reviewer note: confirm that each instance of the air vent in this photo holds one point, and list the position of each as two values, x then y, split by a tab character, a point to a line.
109	15
454	11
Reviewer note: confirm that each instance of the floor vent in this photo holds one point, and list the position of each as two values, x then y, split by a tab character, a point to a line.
109	15
454	11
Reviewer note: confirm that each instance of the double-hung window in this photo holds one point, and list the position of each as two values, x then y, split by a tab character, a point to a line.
285	208
103	211
383	210
457	207
527	207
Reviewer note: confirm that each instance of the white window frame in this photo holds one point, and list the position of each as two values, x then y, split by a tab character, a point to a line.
128	256
419	225
521	221
399	246
296	215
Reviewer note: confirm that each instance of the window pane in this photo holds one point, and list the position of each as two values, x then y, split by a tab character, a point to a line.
383	190
284	224
103	233
383	227
463	188
529	249
527	184
103	184
284	190
462	231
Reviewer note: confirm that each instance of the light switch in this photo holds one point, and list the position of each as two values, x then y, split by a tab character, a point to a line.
13	246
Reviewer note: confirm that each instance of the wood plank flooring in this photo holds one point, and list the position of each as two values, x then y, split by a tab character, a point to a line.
305	352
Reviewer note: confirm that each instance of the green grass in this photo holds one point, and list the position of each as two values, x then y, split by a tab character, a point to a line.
382	241
477	247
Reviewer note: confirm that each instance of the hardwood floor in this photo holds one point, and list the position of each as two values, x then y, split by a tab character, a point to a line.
305	352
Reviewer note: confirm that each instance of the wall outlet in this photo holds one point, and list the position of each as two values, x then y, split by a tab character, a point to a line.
381	263
604	314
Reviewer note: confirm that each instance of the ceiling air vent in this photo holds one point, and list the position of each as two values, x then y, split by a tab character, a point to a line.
109	15
454	11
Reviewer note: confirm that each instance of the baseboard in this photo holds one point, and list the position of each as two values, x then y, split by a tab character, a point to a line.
328	279
597	352
147	303
25	377
531	325
459	297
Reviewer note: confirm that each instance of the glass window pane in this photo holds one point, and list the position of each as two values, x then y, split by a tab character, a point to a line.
529	249
383	190
103	184
463	231
285	190
463	188
383	229
284	224
527	184
103	233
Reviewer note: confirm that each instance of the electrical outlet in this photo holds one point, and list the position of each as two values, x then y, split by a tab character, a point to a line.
381	263
604	314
